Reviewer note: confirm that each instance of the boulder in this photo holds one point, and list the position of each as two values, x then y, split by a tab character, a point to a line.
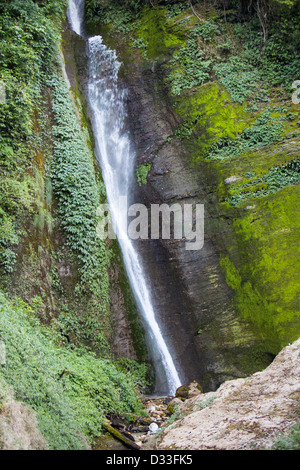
189	390
173	405
242	414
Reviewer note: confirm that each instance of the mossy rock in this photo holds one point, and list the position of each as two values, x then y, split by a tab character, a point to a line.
189	390
173	405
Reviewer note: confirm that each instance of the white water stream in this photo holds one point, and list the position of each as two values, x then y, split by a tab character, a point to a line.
113	151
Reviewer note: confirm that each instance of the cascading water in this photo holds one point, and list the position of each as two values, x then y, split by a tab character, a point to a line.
75	15
106	102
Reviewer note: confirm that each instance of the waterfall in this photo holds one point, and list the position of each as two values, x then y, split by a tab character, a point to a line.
75	14
116	159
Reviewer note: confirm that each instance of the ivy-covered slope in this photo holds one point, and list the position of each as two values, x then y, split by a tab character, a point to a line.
228	78
71	391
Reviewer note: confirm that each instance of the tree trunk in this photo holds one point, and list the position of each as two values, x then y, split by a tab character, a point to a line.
262	13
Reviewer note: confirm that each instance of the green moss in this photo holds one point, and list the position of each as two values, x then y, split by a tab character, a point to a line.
214	116
233	278
265	277
161	36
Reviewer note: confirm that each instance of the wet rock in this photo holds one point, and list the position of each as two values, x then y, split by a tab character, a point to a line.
151	408
232	179
197	296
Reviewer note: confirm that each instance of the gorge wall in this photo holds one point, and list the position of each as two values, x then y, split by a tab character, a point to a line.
230	307
219	344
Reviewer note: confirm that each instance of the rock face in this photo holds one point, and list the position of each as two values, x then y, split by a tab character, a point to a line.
217	321
242	414
209	341
18	427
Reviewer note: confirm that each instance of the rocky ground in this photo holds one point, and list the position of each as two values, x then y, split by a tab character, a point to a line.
242	414
141	435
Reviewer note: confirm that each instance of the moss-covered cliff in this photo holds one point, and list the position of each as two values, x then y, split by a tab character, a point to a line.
214	121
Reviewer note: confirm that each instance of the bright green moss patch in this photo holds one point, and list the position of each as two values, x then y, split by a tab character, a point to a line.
142	173
266	278
160	36
212	115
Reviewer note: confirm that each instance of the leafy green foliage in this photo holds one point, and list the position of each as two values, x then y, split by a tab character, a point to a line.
176	9
290	441
239	78
75	184
278	64
79	191
70	390
116	14
205	403
265	130
278	177
141	44
206	31
8	237
190	68
28	45
142	173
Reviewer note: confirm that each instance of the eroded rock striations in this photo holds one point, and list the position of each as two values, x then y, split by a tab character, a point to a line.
210	341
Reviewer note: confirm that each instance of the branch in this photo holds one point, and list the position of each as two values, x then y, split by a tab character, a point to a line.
262	14
127	442
195	13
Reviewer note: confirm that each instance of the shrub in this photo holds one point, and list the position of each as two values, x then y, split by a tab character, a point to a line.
142	173
290	441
